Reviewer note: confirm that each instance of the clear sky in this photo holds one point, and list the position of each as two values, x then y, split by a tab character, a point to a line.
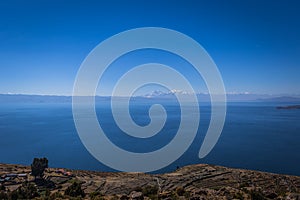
255	44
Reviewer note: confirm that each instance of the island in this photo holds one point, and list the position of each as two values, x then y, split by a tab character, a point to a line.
289	107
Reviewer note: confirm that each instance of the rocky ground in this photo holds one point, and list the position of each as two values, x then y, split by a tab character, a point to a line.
191	182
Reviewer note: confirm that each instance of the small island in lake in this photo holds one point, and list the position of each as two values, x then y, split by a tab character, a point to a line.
289	107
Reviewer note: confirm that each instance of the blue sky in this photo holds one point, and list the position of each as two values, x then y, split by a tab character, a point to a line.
255	44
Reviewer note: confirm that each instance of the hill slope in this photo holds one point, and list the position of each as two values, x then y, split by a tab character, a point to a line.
191	182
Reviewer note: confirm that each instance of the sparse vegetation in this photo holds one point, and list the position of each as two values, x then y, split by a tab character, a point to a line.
26	191
114	197
3	195
180	191
257	195
75	190
2	187
56	195
150	191
95	195
238	195
174	186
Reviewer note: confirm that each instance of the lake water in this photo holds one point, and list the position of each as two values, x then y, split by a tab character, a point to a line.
255	136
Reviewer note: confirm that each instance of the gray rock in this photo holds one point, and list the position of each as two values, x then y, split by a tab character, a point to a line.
134	195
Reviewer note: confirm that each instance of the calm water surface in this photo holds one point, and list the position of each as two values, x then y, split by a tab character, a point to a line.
255	136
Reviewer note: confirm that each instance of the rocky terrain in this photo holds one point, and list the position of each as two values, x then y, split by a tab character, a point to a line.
191	182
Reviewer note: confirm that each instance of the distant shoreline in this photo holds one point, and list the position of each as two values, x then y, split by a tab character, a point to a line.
292	107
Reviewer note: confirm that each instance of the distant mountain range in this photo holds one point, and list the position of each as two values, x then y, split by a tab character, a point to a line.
230	96
237	97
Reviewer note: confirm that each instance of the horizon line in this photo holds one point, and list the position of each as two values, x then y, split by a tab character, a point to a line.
145	95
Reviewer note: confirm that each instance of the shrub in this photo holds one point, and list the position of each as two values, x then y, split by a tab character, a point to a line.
3	195
75	190
25	191
180	191
149	190
2	187
256	195
95	195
